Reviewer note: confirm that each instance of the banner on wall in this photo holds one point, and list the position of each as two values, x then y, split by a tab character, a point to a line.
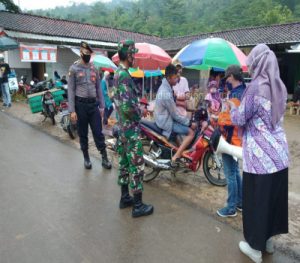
38	53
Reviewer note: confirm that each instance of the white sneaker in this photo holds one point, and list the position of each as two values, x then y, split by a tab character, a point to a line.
255	255
270	246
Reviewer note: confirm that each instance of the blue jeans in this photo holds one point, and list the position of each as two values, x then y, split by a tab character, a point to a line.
234	181
5	93
180	129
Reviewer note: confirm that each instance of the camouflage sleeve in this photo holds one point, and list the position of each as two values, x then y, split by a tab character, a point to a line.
71	89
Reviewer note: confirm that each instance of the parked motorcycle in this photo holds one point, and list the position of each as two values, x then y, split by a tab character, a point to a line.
158	152
65	121
40	86
49	106
24	88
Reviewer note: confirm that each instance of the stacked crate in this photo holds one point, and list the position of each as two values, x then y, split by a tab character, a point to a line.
35	100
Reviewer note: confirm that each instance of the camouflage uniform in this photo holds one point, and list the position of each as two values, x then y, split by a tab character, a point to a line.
130	149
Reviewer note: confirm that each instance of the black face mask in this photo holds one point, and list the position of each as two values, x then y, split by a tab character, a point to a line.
86	58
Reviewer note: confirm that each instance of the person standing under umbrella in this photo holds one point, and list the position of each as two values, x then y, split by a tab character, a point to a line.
108	104
4	72
265	154
181	92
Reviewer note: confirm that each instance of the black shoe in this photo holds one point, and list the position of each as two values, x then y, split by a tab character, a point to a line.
9	105
105	162
4	105
87	164
139	208
126	200
87	161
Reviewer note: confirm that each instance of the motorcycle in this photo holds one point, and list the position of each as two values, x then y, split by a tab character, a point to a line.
24	88
65	121
49	106
39	86
158	151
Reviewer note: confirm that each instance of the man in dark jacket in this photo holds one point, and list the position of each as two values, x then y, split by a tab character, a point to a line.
4	72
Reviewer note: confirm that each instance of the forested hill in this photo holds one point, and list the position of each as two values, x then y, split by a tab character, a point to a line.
168	18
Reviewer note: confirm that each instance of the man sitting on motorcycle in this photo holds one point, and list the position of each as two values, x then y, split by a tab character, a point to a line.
166	115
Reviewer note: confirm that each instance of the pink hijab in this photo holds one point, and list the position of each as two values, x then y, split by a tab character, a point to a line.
263	67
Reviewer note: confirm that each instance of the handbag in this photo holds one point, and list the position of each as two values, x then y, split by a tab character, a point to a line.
13	83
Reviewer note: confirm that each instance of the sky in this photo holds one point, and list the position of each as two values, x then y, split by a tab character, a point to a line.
42	4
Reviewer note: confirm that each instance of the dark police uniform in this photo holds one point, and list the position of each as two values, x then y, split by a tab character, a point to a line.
85	98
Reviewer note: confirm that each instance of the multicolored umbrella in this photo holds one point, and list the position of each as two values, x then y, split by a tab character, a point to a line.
211	53
138	73
149	57
103	62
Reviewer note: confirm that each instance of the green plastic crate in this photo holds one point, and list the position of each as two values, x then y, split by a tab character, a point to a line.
35	102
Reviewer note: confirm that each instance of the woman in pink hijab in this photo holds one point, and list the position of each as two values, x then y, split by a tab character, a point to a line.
265	154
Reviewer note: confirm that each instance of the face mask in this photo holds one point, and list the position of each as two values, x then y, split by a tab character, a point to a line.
86	58
229	85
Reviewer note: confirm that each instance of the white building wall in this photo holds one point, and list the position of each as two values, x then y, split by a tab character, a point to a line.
65	58
21	68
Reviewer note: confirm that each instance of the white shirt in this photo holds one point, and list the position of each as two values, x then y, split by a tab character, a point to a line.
180	89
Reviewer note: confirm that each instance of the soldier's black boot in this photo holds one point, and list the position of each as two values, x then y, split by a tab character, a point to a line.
87	161
126	200
139	208
105	162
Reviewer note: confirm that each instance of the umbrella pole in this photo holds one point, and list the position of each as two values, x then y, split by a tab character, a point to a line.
151	88
143	88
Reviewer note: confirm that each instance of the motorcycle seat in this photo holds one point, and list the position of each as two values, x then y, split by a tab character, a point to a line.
151	125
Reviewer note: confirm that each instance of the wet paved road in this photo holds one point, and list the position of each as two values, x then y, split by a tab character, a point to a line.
52	210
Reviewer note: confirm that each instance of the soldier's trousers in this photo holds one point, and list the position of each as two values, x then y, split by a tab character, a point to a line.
131	162
89	114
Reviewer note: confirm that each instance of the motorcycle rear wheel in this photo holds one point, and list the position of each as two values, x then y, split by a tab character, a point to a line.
150	173
212	172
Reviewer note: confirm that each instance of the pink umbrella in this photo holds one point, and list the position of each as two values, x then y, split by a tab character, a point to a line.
149	57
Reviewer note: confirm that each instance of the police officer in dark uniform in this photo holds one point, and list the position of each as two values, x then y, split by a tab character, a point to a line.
85	99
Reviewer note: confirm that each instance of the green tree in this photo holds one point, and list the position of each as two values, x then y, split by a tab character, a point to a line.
278	14
10	6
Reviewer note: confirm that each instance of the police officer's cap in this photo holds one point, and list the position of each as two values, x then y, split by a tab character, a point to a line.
127	46
85	45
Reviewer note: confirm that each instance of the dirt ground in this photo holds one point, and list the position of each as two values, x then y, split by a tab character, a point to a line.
193	188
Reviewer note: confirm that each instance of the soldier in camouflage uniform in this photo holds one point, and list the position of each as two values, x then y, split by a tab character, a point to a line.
130	150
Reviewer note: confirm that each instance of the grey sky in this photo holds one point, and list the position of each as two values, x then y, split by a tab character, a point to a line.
42	4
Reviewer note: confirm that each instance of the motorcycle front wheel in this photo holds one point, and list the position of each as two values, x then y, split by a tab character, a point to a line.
52	117
150	172
71	131
213	169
